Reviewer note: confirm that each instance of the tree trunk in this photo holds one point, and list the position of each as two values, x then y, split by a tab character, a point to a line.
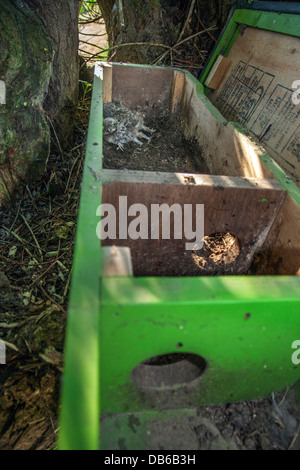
157	21
39	67
140	22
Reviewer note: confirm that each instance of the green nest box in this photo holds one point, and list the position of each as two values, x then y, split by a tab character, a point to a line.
157	323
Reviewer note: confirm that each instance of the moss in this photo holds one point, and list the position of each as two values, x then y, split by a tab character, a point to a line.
25	66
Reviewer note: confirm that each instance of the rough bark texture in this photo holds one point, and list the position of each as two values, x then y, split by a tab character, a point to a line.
39	66
155	21
60	20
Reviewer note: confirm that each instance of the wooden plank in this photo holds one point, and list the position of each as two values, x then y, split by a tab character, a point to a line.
107	82
217	72
188	179
280	253
257	92
177	91
225	150
247	212
145	88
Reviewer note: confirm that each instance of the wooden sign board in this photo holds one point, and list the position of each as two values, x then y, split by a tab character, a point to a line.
259	91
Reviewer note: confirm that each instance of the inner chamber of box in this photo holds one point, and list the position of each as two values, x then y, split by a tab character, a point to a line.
249	220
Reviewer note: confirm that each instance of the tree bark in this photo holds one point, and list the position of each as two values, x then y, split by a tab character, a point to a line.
60	19
140	22
156	21
39	66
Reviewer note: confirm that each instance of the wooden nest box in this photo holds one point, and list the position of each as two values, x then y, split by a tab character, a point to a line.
153	325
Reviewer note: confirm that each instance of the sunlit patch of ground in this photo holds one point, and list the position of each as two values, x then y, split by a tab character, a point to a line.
93	39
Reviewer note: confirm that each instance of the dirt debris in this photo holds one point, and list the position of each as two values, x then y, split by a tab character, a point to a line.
37	235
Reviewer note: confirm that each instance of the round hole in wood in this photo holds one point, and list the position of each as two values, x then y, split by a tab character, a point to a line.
219	253
168	370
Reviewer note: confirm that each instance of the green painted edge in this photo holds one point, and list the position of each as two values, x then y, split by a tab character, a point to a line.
80	397
283	23
219	290
212	312
285	180
277	22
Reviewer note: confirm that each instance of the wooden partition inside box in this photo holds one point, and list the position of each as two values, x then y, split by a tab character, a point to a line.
245	208
241	195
